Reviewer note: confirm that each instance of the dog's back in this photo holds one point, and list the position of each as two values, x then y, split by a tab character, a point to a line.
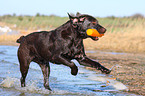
33	37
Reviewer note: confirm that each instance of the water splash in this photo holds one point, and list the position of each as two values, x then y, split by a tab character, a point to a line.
108	84
32	87
8	82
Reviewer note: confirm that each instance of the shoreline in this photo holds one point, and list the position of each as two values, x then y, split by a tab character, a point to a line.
129	67
14	43
9	43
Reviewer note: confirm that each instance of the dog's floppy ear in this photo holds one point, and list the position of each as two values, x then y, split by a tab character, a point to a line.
82	19
74	20
70	16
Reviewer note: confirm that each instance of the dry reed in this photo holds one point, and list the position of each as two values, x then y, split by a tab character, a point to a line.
123	35
8	39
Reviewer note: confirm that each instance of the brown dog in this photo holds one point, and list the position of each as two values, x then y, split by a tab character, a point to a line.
59	46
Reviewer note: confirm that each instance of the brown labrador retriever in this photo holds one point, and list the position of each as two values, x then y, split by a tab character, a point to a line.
59	46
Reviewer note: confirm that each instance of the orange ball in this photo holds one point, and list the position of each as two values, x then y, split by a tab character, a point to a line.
94	33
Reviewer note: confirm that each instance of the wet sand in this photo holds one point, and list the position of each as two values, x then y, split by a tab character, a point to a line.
128	68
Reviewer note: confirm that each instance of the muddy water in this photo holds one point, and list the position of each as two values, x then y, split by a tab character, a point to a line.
86	83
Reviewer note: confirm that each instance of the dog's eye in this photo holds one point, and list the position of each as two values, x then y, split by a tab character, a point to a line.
89	24
81	21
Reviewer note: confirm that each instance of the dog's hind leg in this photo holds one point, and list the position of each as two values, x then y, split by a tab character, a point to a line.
46	72
24	60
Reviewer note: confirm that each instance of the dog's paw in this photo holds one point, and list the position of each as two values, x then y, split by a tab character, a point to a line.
106	71
74	70
47	87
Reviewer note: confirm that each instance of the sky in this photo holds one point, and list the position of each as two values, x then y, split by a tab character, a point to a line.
99	8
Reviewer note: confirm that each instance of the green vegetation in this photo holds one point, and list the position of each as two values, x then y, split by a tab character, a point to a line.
49	22
125	34
34	22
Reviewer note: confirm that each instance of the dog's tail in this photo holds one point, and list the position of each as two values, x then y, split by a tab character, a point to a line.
20	39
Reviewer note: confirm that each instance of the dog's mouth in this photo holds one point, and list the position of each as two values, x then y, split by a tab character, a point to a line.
94	34
94	38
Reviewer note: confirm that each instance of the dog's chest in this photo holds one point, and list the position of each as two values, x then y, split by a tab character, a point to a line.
75	51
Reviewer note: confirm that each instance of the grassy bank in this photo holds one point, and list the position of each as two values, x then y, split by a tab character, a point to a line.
8	39
123	34
27	23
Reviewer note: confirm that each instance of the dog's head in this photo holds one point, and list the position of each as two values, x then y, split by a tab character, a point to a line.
84	22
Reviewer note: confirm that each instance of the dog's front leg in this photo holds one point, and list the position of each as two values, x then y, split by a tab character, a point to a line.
88	62
67	62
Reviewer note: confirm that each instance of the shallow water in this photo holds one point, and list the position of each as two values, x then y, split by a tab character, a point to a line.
86	83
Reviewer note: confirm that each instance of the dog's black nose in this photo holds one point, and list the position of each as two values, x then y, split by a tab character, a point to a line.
102	30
